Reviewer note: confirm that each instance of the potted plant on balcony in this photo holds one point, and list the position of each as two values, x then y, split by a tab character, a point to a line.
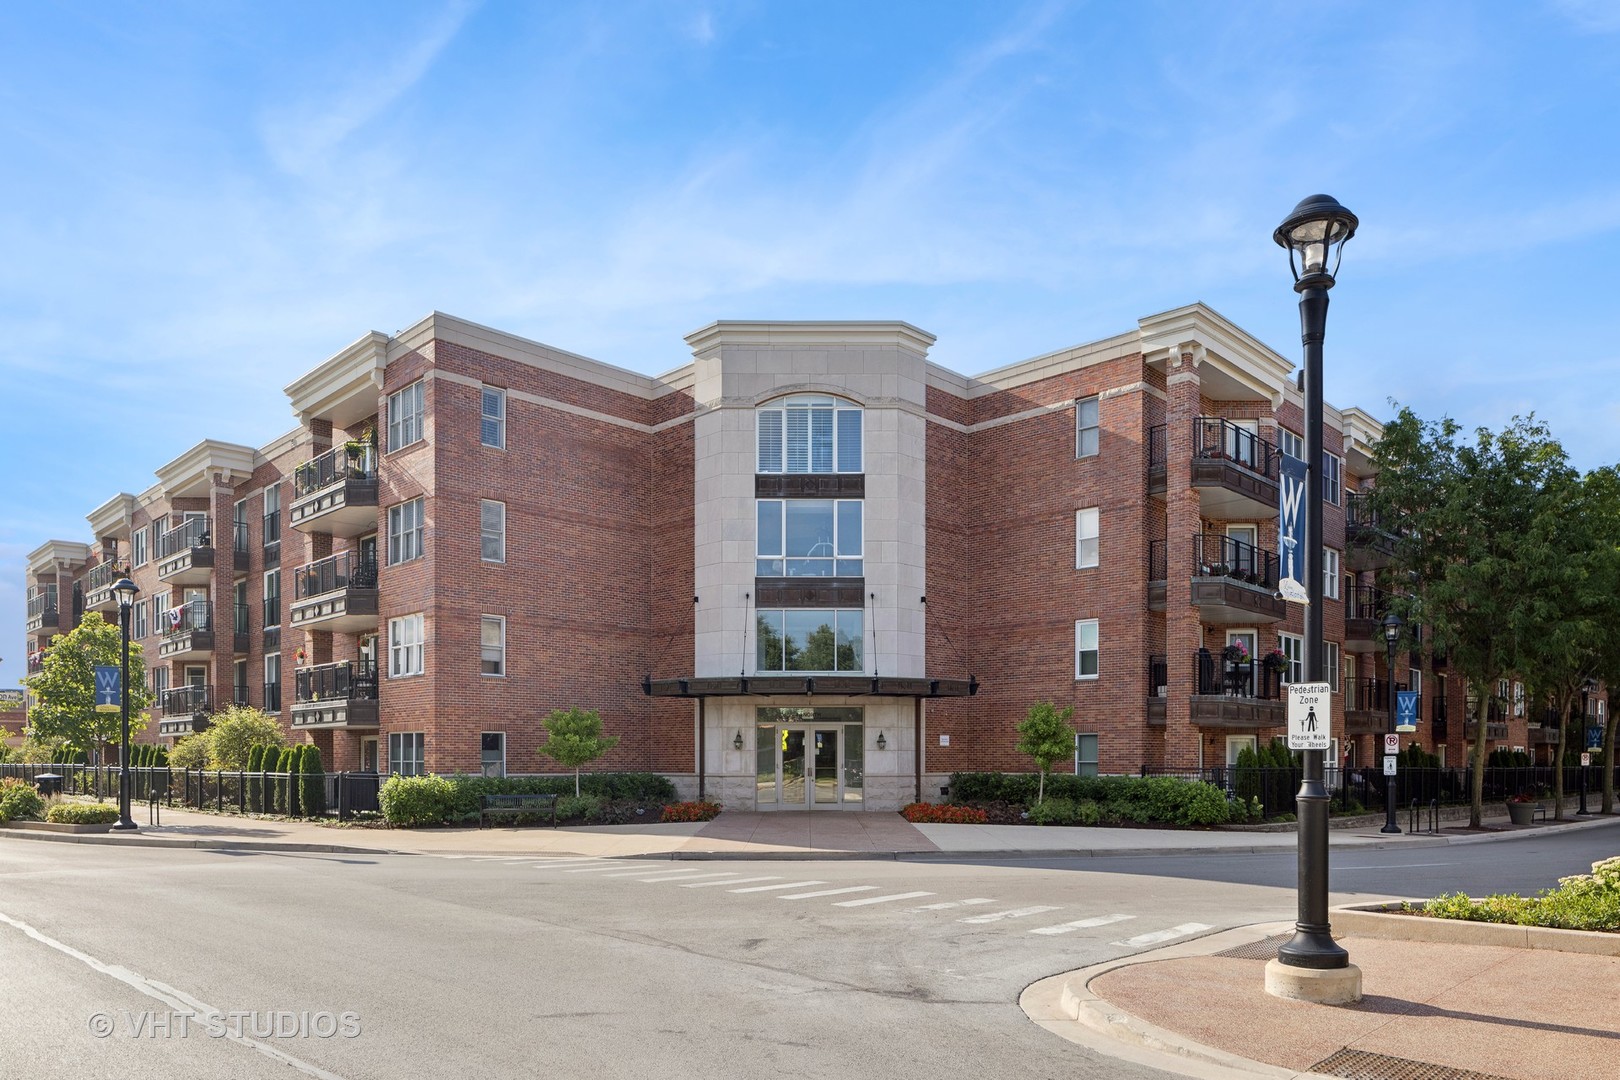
357	447
1235	653
1275	660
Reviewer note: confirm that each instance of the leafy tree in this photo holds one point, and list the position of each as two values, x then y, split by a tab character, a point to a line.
1045	735
574	738
1602	504
190	751
1473	523
64	688
233	733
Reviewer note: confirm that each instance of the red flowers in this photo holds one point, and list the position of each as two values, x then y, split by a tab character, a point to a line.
691	811
944	814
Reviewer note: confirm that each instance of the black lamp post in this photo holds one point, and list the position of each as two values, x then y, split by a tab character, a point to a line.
1314	235
1586	693
1392	634
125	590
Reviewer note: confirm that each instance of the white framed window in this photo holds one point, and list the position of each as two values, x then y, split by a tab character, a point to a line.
1330	574
1414	679
492	752
1293	649
407	753
405	531
157	680
492	645
1085	649
272	682
1085	755
272	597
492	417
1518	699
137	621
1332	478
1330	665
1290	444
808	538
272	515
137	543
405	413
1085	427
809	433
810	639
491	530
405	647
1086	526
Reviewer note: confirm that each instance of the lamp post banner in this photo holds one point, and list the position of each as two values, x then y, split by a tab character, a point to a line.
109	689
1406	710
1291	529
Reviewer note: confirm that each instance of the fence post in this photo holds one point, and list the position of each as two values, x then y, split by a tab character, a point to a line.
241	794
219	791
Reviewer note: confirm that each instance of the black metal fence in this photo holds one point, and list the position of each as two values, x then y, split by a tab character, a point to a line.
341	795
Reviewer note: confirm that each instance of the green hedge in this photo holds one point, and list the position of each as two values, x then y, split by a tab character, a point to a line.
409	801
1150	800
82	814
463	796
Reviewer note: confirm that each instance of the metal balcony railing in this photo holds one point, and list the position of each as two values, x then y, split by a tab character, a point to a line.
239	620
1365	602
1216	675
42	603
1158	675
187	700
239	537
345	681
192	534
272	697
1217	438
103	575
1158	561
1217	555
272	610
1371	694
345	570
1158	444
197	615
333	467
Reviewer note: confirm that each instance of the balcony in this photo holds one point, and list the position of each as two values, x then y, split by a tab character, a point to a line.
336	493
185	710
1158	571
336	594
1244	697
1234	582
1366	706
1368	545
1364	609
188	632
335	696
1497	732
98	586
42	614
36	662
186	554
239	629
1234	471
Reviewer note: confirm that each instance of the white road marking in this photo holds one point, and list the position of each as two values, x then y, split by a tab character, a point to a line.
881	899
944	905
1081	924
736	881
176	1000
1164	935
1015	913
598	869
827	892
553	864
771	888
661	873
662	877
1390	866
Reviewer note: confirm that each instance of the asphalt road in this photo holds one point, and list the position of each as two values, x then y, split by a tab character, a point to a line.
522	967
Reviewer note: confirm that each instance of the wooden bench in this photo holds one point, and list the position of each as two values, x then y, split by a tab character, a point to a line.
516	805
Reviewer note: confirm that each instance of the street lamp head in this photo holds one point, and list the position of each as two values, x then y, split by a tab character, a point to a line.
1392	627
1314	235
125	590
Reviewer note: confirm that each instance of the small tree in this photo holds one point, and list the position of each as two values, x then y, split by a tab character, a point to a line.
190	752
232	732
1045	735
574	738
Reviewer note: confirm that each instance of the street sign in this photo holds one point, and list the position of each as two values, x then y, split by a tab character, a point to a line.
1406	710
109	697
1392	744
1310	715
1389	766
1586	759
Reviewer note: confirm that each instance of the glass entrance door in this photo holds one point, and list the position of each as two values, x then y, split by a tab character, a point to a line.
808	771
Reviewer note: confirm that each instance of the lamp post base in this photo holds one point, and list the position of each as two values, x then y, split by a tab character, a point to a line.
1320	986
125	826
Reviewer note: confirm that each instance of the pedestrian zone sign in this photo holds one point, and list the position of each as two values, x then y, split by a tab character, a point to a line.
1310	713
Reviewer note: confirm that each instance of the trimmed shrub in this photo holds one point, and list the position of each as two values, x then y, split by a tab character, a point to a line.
255	787
1055	811
233	731
70	813
20	801
691	811
411	801
584	807
971	787
292	791
312	782
1118	799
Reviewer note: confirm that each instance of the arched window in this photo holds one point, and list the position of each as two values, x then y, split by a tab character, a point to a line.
809	433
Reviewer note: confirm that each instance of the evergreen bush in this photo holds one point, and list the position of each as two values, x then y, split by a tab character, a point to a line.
255	787
312	782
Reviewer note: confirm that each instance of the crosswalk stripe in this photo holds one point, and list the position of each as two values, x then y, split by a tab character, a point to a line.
826	892
1163	935
770	888
947	904
554	864
734	881
662	877
863	901
663	873
1015	913
594	869
1081	924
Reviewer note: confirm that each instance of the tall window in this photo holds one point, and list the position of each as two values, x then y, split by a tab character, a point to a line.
1330	574
1085	538
808	538
405	646
492	752
272	682
137	621
1330	664
809	433
407	754
492	530
138	547
272	598
158	680
1332	477
816	639
405	409
1293	648
405	531
492	645
1085	649
1085	427
492	417
272	515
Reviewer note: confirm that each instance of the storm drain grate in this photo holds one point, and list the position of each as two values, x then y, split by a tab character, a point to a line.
1264	949
1360	1065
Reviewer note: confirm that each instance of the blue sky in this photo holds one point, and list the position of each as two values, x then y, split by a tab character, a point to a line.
203	200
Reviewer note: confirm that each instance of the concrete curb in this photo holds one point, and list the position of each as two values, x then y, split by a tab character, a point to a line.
203	844
1376	921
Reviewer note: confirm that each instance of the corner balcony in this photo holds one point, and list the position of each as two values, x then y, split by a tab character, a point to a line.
1364	609
336	594
42	615
184	710
1238	697
98	586
186	554
336	493
1234	471
1366	706
340	695
1234	583
188	632
1368	543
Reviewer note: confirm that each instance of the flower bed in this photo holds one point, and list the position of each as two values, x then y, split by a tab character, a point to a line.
943	814
691	811
1580	902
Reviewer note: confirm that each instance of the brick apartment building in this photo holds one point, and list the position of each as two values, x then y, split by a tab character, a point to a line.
808	568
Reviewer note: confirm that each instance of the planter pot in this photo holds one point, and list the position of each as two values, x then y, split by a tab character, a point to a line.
1521	813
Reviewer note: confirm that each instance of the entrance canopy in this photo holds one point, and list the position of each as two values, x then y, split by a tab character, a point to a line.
790	686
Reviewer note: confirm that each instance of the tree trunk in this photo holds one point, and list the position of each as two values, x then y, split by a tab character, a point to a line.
1040	789
1608	762
1476	794
576	781
1566	710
